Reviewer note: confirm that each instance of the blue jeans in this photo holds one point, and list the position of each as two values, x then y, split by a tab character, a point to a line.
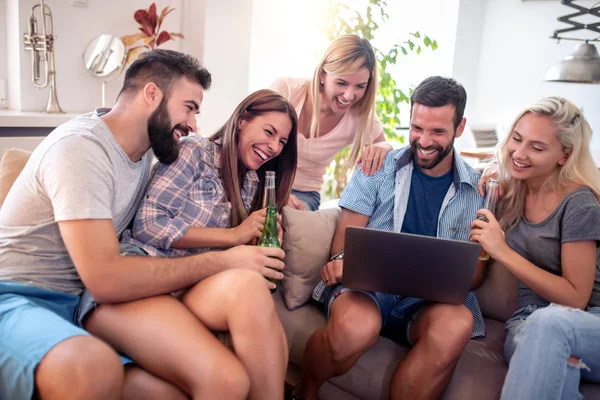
311	200
539	341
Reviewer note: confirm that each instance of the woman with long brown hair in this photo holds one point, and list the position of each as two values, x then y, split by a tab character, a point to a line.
211	196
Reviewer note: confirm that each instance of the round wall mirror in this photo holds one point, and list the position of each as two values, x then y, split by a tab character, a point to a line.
104	57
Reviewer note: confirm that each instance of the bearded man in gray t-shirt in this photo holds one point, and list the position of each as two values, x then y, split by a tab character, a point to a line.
59	230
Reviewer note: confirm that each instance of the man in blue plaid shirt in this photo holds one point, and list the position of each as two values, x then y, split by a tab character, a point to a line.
427	189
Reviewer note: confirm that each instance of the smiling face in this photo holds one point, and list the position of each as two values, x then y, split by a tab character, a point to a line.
432	137
263	138
534	149
340	92
174	118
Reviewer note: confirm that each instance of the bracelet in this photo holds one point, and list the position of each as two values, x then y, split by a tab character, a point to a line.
338	256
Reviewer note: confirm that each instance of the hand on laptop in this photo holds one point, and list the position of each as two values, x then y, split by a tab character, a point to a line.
332	272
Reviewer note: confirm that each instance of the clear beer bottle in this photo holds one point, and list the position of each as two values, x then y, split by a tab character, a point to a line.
491	199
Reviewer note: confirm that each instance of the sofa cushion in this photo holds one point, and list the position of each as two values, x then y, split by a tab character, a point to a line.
497	295
298	324
307	243
12	163
481	369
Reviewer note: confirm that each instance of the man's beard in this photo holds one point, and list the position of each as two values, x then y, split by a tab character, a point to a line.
164	146
430	164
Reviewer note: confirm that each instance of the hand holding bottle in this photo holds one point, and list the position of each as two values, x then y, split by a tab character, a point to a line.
251	228
491	200
488	234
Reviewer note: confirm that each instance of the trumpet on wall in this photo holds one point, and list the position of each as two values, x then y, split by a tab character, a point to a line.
41	45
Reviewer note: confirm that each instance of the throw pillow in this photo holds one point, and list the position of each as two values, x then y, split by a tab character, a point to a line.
307	244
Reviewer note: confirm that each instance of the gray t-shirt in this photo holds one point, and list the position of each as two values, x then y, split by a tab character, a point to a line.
577	218
79	171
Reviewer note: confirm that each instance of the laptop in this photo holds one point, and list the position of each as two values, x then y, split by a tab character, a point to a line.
418	266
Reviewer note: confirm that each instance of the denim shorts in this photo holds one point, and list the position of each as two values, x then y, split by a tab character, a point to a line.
311	200
397	312
32	321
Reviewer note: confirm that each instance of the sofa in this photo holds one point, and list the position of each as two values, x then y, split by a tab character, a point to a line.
307	239
481	369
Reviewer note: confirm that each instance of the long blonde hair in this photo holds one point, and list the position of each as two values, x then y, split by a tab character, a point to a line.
346	55
574	133
233	169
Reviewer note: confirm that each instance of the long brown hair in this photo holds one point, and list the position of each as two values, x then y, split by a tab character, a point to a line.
346	55
233	169
575	134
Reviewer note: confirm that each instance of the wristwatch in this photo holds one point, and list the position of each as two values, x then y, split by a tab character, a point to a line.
338	256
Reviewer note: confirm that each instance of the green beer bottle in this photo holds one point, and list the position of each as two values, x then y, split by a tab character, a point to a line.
269	235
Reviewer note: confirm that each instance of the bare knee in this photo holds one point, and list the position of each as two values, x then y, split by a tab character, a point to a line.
447	336
228	382
243	290
353	328
81	367
140	384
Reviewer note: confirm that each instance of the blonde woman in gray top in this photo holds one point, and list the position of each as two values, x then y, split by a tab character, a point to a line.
547	236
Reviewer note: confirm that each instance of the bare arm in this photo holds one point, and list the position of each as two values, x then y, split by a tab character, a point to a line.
332	271
573	288
479	274
578	260
110	277
200	237
347	218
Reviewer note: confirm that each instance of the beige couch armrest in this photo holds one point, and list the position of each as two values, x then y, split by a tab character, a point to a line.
12	163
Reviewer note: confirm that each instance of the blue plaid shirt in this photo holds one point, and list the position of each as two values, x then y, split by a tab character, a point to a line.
187	193
384	198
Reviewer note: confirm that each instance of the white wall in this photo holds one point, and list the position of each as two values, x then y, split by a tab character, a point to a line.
286	40
3	61
467	49
226	53
515	52
74	27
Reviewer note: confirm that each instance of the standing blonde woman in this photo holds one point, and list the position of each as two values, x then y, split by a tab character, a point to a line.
551	217
335	108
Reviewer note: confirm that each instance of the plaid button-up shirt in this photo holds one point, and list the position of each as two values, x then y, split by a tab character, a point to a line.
187	193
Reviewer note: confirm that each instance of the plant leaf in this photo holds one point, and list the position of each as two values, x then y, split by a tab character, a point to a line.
140	16
176	35
152	16
163	14
129	40
163	37
134	53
